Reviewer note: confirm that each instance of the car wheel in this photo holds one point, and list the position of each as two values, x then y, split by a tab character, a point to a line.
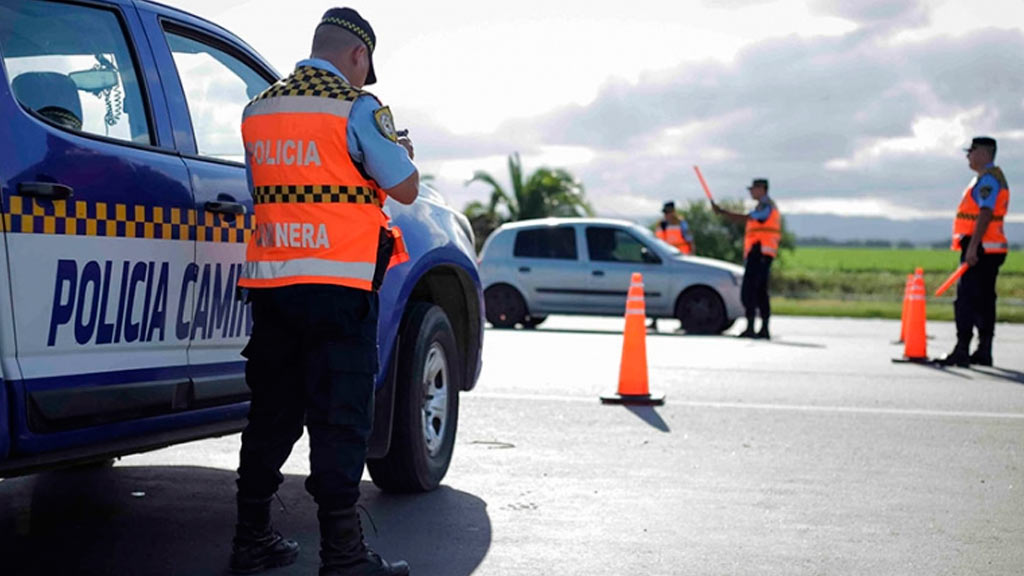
534	321
505	306
426	404
700	311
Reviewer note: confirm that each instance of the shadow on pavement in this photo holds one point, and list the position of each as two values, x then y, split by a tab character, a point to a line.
1003	373
650	415
154	521
571	331
931	365
778	342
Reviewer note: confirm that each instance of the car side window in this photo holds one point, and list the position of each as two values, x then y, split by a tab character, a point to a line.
615	245
552	243
72	66
217	87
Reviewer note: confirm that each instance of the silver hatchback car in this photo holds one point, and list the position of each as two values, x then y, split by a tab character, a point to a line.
533	268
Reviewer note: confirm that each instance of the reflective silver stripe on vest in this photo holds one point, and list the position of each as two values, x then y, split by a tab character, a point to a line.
298	105
273	270
995	245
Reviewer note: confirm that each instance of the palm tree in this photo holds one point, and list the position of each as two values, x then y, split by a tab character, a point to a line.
547	192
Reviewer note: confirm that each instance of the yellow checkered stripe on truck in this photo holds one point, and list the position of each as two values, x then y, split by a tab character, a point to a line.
82	218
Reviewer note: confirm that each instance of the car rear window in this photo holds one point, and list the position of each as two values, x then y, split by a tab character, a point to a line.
553	243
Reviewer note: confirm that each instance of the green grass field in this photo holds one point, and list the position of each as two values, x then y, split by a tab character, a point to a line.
884	260
869	282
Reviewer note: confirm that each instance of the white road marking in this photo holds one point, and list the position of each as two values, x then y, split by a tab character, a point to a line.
756	406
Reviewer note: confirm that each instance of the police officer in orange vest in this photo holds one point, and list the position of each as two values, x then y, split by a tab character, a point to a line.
674	230
978	235
323	156
760	247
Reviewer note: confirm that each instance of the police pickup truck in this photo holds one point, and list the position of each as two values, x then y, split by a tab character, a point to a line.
125	217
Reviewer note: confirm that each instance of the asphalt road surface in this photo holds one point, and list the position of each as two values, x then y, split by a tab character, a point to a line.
810	454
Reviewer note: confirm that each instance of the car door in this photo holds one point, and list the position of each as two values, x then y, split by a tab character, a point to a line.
214	80
547	267
613	255
96	208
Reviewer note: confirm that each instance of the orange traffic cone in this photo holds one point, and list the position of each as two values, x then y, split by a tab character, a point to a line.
633	370
906	308
916	345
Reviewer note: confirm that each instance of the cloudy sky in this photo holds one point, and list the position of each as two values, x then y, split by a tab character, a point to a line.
849	107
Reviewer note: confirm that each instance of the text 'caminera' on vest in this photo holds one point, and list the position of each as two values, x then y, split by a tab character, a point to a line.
292	235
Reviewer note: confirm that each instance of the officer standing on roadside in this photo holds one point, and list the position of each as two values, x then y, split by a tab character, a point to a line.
760	246
978	235
674	230
323	155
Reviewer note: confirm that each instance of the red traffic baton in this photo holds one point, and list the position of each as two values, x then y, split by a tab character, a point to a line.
952	279
703	183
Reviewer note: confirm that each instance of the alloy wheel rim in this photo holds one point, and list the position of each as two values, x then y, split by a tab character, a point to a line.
435	386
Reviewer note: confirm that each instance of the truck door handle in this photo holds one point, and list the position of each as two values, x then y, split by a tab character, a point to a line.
47	190
524	269
598	273
225	207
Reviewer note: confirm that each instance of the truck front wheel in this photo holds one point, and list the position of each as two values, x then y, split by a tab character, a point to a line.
426	404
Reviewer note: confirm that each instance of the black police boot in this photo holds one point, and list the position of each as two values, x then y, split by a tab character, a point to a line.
343	551
749	332
257	546
958	357
983	355
763	333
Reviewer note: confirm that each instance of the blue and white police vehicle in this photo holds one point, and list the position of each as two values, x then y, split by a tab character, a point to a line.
125	216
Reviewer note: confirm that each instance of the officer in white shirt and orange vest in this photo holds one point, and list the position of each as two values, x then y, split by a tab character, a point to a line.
323	156
760	247
979	236
673	230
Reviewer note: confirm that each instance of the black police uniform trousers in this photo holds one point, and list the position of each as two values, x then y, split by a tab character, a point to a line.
754	290
975	304
312	358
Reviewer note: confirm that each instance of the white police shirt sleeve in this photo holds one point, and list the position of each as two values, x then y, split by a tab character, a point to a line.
383	159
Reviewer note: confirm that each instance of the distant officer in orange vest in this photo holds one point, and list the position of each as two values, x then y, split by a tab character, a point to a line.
323	156
978	235
674	230
760	247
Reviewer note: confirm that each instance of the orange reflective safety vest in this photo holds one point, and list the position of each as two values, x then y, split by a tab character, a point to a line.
673	234
318	218
767	233
994	241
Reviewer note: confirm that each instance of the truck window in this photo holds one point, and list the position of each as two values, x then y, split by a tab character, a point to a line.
217	87
71	65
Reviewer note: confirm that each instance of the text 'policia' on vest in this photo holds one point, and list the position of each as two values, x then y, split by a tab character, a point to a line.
767	233
318	217
994	241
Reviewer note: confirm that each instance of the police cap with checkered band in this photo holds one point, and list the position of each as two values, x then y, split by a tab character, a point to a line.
350	20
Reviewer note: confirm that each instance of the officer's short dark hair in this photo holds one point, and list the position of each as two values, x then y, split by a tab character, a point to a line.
986	142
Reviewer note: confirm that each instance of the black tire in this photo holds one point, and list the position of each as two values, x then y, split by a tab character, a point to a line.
700	310
534	321
504	306
418	460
